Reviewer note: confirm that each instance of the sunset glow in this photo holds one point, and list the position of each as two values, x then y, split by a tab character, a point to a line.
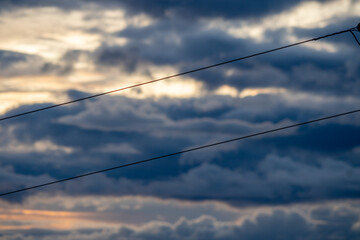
99	98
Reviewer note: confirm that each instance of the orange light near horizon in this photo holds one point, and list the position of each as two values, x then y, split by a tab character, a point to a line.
58	220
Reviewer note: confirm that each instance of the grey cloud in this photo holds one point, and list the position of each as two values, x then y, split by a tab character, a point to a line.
177	43
18	64
136	210
189	45
15	64
7	58
208	115
228	9
98	142
11	181
199	9
274	225
245	173
127	116
15	4
122	58
275	180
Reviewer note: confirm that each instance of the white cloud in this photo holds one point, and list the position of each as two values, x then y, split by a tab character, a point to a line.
306	15
38	146
50	32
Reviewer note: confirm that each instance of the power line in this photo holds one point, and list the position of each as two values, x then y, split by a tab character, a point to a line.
352	33
180	152
173	76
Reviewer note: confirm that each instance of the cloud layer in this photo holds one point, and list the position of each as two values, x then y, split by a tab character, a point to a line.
302	183
132	218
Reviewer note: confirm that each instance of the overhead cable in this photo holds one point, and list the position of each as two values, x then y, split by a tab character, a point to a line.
352	33
172	76
180	152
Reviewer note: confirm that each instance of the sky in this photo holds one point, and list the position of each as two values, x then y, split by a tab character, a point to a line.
300	183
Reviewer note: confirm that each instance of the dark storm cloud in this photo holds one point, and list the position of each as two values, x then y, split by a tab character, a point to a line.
107	133
126	115
314	163
203	8
10	180
171	125
38	234
228	9
275	180
6	5
324	138
175	118
188	45
180	43
299	69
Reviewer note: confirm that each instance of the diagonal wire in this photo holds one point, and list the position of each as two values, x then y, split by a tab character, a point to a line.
180	152
172	76
355	37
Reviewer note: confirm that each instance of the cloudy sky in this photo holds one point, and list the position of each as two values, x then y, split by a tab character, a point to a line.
302	183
